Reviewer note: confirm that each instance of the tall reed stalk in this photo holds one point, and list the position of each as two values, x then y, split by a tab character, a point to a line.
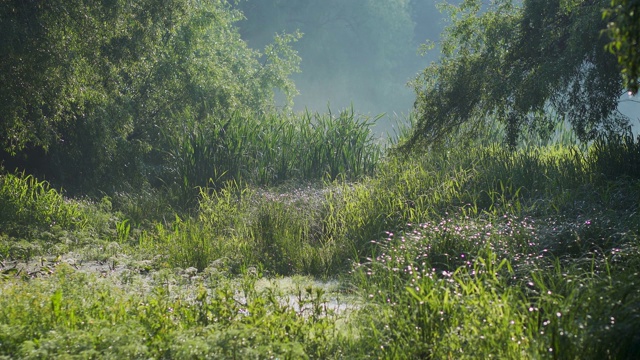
270	149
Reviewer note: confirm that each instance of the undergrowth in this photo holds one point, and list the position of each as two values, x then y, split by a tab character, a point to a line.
461	252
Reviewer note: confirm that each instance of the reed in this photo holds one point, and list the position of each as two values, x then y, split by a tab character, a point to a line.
270	149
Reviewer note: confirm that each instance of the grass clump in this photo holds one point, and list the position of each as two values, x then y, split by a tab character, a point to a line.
271	149
28	202
283	233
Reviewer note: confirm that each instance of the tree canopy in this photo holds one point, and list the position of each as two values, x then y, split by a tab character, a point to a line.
97	89
624	31
526	65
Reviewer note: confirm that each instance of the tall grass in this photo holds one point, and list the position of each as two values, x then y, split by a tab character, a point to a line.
471	181
242	227
616	156
271	149
26	202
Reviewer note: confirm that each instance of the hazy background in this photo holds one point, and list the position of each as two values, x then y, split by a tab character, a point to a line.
360	52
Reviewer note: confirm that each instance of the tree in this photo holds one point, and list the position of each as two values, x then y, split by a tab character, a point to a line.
624	32
523	65
92	90
60	58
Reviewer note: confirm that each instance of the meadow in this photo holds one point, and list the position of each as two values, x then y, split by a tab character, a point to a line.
306	237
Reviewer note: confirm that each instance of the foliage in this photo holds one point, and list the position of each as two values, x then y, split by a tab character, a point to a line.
212	236
616	157
624	32
514	261
522	65
469	251
243	227
339	223
484	306
89	87
28	203
269	150
138	97
85	316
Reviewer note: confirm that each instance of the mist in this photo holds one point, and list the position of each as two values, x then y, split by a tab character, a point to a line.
359	53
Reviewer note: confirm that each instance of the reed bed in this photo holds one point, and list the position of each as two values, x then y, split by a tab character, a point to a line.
266	150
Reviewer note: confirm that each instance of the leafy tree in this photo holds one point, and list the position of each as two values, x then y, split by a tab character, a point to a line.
524	65
93	91
60	58
624	31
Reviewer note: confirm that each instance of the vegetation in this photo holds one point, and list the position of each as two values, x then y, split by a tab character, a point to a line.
527	66
624	31
476	252
270	150
99	103
228	228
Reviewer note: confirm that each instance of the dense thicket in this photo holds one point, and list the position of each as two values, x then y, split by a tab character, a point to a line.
527	65
94	93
